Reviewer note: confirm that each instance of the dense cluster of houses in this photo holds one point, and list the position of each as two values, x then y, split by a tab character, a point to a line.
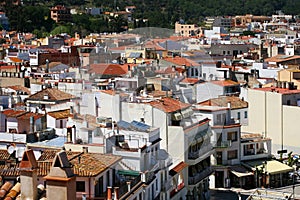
115	116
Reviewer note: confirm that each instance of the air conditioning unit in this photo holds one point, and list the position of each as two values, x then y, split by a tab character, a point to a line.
105	121
177	116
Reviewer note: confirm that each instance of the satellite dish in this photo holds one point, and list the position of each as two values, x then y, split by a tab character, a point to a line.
11	149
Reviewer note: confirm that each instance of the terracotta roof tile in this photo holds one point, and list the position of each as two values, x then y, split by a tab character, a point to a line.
191	80
13	113
84	164
178	168
15	60
278	90
53	95
107	69
61	114
169	105
19	88
235	102
4	155
181	61
281	58
27	116
225	83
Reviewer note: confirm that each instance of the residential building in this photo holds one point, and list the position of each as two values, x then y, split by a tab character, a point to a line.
49	99
214	89
191	157
238	107
225	140
60	13
277	108
290	77
187	29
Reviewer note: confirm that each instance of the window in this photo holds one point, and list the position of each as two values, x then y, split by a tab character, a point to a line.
80	186
232	136
239	115
246	114
232	155
288	102
61	123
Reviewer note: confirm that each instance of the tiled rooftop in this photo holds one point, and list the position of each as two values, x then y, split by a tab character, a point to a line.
13	113
27	116
278	90
107	69
53	95
20	88
60	114
235	102
84	164
225	83
169	105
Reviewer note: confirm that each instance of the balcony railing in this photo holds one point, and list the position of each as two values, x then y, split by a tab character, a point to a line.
223	144
196	154
200	176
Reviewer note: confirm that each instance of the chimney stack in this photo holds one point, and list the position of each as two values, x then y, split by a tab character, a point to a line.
28	176
109	196
61	178
116	193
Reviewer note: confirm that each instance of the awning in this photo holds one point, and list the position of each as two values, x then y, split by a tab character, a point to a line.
272	166
240	171
178	168
128	173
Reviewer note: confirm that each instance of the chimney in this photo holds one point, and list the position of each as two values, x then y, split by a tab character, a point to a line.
116	193
28	175
128	186
47	66
109	196
61	178
83	197
73	138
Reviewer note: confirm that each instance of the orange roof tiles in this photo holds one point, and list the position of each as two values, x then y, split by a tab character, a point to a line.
19	88
281	58
225	83
179	167
107	69
181	61
52	94
190	80
16	60
235	102
278	90
13	113
91	164
60	114
27	116
169	105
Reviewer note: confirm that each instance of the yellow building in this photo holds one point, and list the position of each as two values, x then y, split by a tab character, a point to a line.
290	75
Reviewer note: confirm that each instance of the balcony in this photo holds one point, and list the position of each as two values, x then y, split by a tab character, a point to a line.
223	144
166	186
201	153
200	176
